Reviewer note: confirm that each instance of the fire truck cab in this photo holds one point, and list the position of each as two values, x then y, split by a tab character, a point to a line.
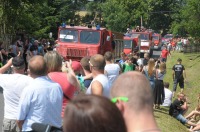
157	41
75	42
146	45
131	42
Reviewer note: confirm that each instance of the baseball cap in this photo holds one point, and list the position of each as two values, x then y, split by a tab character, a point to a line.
17	61
76	66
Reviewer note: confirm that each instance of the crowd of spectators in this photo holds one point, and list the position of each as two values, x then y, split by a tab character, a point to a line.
77	96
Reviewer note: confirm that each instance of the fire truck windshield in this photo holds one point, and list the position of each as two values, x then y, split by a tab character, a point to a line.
144	37
127	44
67	35
155	37
89	37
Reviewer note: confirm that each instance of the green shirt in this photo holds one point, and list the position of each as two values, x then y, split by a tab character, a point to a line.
128	67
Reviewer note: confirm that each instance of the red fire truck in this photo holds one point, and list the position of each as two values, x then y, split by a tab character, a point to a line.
131	42
157	41
75	42
146	45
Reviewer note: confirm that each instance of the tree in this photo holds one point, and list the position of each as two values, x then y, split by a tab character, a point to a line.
37	17
191	15
119	15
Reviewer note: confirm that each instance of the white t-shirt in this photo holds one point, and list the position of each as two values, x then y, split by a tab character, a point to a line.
104	82
13	85
168	98
112	72
140	61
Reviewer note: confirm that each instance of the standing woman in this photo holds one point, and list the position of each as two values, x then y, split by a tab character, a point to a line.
158	93
149	72
111	70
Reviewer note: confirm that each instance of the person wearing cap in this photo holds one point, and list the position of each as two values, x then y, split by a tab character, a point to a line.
78	70
178	75
13	85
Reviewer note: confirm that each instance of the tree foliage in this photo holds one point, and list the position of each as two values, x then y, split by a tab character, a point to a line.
39	17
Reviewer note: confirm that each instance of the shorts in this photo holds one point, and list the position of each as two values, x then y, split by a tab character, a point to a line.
181	118
180	82
10	125
164	59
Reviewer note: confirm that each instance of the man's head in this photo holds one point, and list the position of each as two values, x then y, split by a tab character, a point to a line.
85	63
18	64
37	66
146	55
97	62
36	42
129	58
165	47
108	56
123	55
179	60
135	87
181	96
166	84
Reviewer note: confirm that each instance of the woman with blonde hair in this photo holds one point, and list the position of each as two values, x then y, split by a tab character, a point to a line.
67	80
158	93
149	72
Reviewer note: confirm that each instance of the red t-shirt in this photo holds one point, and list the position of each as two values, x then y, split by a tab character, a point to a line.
173	44
165	52
67	88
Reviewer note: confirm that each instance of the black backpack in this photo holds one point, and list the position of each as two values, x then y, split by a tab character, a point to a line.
171	110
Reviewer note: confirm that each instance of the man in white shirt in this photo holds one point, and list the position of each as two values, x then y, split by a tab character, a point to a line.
168	95
13	85
41	100
100	83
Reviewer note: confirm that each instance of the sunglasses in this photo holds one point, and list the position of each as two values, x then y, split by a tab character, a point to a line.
91	64
124	99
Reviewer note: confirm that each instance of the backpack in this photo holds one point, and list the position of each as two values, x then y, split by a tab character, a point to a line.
171	110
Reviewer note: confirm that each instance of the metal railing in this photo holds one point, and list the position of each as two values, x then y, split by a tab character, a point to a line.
191	49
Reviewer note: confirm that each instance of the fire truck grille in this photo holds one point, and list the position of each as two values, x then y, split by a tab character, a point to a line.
76	52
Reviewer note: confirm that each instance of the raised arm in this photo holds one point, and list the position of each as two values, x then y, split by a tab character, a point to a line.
6	66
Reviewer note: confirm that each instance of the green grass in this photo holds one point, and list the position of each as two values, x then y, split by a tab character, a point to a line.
192	68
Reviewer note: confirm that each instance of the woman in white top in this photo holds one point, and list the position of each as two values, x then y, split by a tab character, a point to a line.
111	70
158	93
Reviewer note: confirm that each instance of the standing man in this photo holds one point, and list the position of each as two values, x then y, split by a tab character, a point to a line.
12	85
100	84
179	45
164	54
178	75
41	100
133	96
